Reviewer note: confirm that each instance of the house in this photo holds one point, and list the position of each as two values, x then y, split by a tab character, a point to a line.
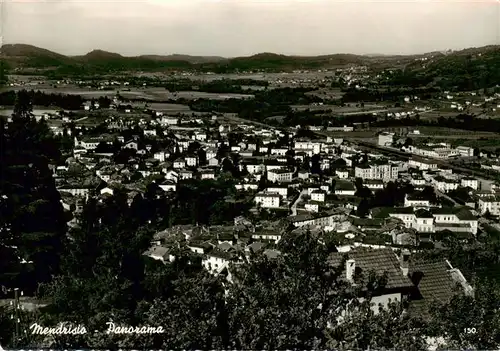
279	151
247	186
444	184
179	163
107	190
161	156
458	219
490	204
207	174
377	170
344	187
374	184
415	200
420	283
213	162
166	121
267	235
168	185
279	175
318	196
200	136
313	146
150	132
131	145
360	262
161	253
385	139
312	206
282	191
191	161
185	174
210	153
422	164
268	200
303	175
217	260
200	247
435	282
465	151
172	175
76	190
342	173
469	183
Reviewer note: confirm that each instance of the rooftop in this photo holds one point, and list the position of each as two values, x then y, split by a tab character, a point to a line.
378	260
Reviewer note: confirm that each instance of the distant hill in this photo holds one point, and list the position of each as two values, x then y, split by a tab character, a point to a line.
98	55
186	58
459	68
22	55
468	69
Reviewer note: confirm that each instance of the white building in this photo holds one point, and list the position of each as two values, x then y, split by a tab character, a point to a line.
377	171
191	161
469	183
312	207
458	219
465	151
489	204
342	173
279	151
318	196
385	139
417	202
313	146
282	191
279	175
422	164
444	185
179	164
268	200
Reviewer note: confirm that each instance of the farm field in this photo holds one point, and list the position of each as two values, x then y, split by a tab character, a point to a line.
152	94
437	132
169	107
346	110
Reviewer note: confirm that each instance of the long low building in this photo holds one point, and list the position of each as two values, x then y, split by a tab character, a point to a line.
456	219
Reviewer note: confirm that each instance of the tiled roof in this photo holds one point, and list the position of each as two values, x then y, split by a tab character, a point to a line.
435	283
421	213
378	260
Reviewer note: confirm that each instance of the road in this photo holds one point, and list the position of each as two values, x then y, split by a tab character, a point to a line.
441	194
294	206
361	112
81	119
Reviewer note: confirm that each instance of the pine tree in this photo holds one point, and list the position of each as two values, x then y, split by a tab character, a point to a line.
32	222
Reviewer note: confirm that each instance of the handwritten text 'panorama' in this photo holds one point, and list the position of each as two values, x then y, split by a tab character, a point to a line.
70	329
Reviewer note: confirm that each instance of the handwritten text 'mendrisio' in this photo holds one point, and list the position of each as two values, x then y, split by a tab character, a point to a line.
70	329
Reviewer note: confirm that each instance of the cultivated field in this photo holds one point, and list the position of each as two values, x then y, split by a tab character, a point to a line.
151	94
169	107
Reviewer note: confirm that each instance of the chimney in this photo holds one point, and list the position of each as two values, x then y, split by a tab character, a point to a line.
404	261
350	269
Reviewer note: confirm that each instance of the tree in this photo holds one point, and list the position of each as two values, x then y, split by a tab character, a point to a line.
363	208
391	328
470	321
32	213
193	314
285	302
3	73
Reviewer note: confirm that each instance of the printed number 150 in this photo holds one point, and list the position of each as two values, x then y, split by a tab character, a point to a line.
470	330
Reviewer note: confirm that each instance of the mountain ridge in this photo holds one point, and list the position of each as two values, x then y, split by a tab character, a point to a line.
25	57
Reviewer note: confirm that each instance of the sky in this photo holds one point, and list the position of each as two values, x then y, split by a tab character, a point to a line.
245	27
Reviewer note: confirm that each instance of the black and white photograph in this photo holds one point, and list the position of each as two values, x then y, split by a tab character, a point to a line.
250	175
